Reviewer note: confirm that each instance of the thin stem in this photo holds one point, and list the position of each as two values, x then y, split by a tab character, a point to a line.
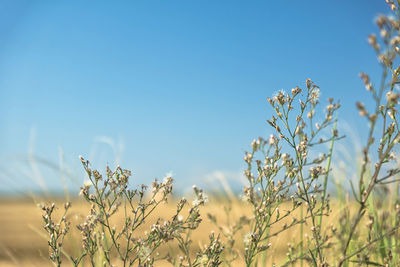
328	166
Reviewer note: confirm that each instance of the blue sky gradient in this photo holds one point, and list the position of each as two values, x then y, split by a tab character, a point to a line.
177	86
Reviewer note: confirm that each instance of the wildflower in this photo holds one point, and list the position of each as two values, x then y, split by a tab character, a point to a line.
391	115
361	108
204	260
315	172
384	33
196	202
391	4
373	42
97	176
280	98
248	157
308	83
381	21
144	252
296	91
392	98
315	95
272	139
395	41
302	146
366	81
392	156
247	238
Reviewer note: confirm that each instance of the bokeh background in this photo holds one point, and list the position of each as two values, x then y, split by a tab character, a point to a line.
165	86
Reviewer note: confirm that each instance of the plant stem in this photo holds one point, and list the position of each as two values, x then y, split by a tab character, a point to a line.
328	166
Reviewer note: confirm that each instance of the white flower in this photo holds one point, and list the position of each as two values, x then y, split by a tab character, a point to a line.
315	93
87	183
196	202
169	174
144	252
247	238
203	259
271	139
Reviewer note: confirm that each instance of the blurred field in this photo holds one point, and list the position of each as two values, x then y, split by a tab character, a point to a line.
22	243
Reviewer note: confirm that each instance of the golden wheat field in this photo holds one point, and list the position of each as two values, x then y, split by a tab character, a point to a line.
23	243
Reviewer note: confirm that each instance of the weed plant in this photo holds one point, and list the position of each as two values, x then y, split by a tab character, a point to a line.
287	189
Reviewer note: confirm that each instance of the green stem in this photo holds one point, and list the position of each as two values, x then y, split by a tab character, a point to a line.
328	166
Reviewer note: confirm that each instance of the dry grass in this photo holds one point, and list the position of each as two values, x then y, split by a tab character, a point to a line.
22	243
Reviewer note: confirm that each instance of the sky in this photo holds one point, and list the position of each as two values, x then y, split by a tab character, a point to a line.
165	86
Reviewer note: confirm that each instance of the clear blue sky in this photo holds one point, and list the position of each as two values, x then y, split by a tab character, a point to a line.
177	85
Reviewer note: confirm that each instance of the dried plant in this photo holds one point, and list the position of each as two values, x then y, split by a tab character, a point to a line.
276	178
102	240
56	231
385	117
